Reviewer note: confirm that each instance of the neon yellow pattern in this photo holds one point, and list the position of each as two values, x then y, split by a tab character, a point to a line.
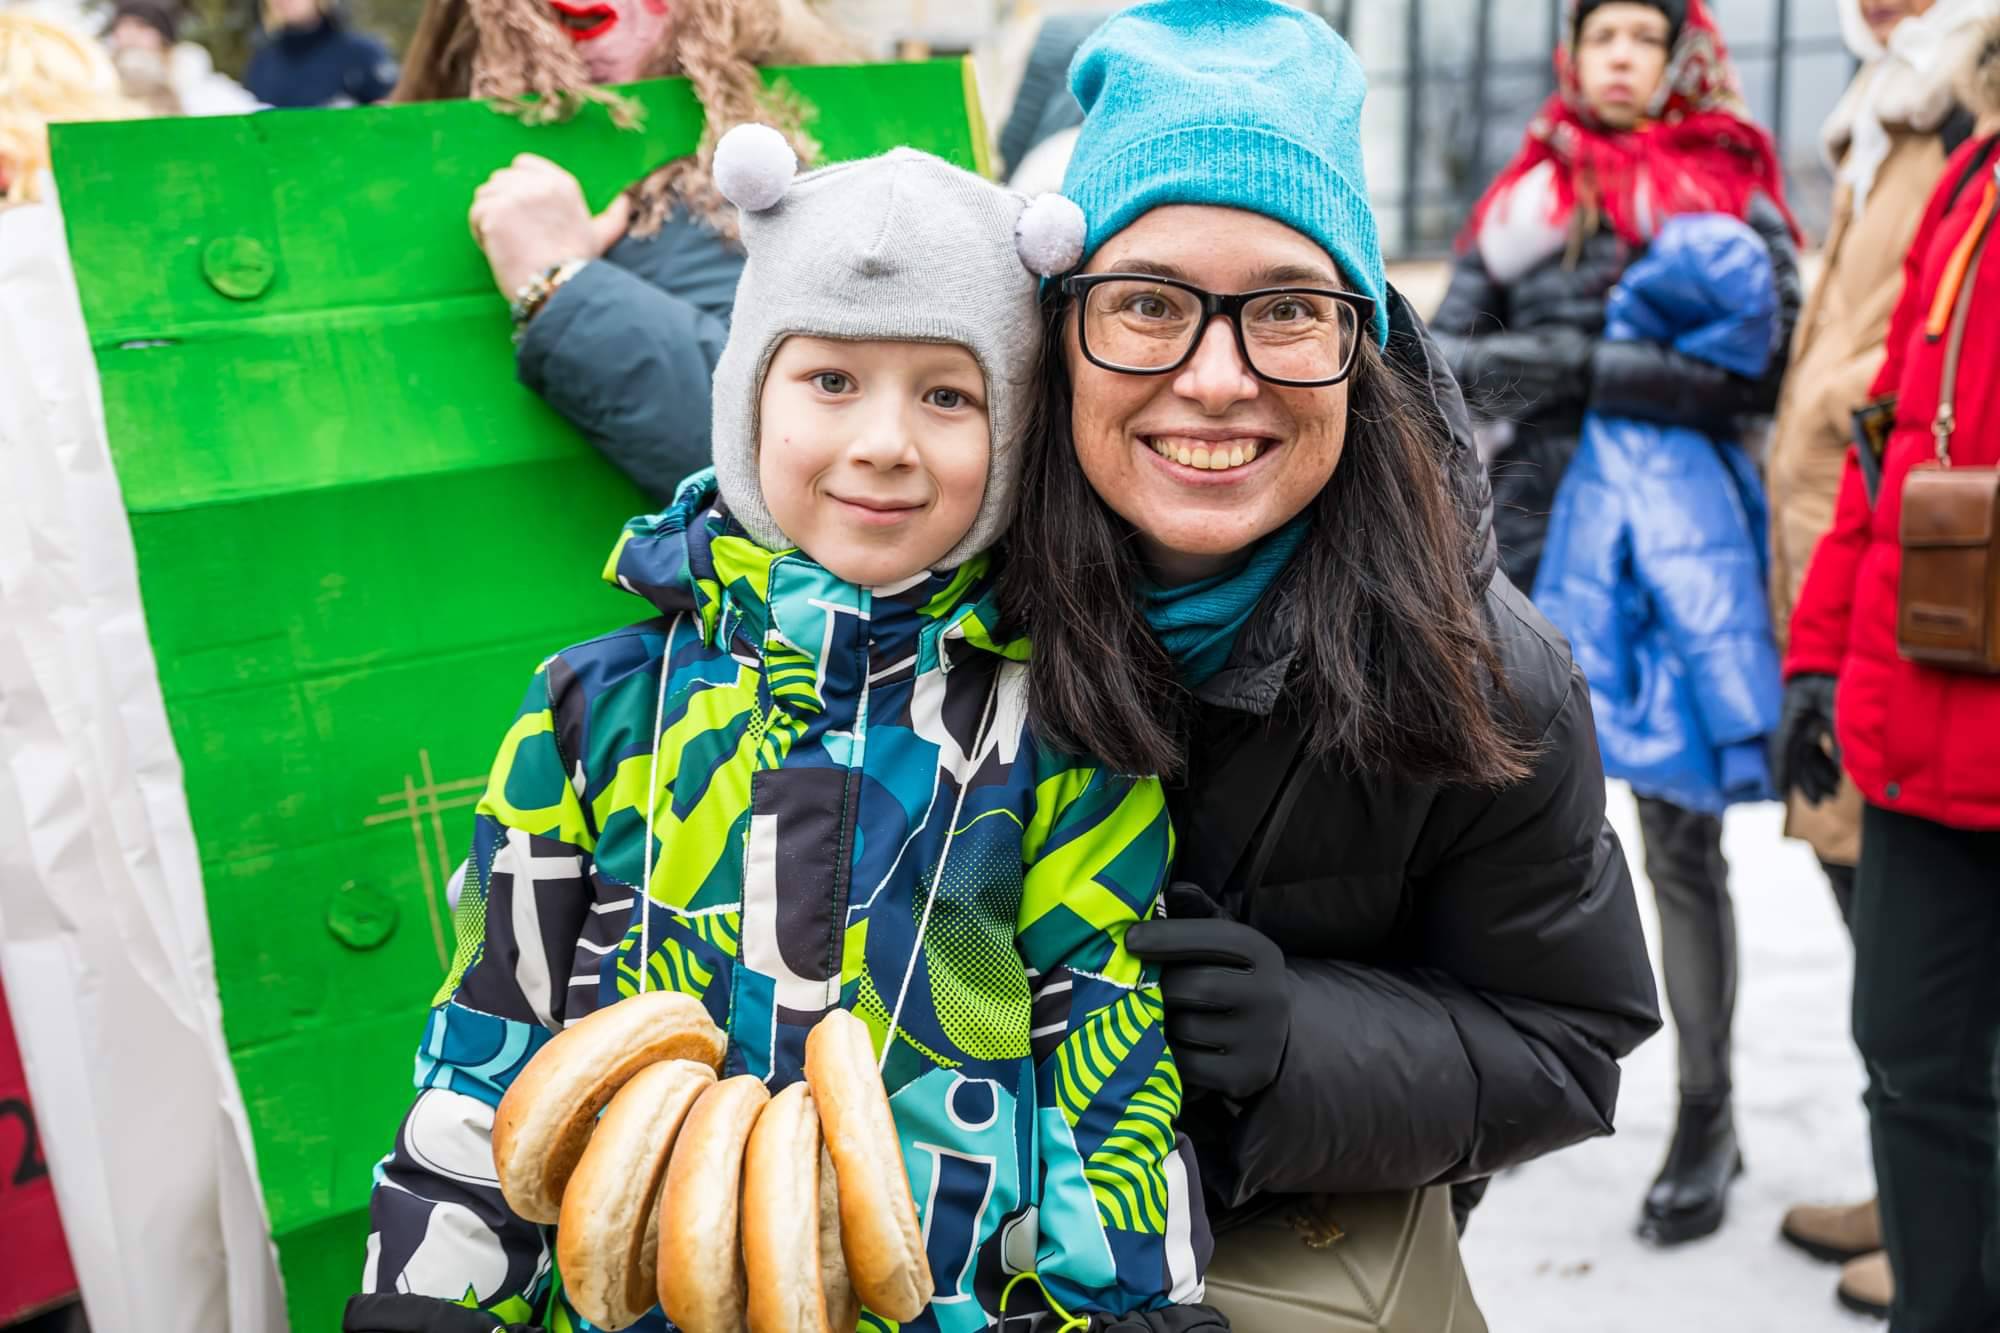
691	849
1091	1054
468	921
563	820
1124	1172
979	989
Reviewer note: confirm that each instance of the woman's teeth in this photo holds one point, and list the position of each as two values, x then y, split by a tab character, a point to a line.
1201	454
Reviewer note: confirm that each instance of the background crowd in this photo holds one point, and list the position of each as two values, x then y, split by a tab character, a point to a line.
1696	419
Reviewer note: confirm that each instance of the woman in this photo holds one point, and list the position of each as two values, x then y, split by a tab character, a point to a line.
312	58
1646	123
620	318
1887	140
1919	740
1425	960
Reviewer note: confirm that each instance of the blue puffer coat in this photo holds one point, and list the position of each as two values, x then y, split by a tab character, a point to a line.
1655	562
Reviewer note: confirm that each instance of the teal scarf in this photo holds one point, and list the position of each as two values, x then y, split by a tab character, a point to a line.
1198	622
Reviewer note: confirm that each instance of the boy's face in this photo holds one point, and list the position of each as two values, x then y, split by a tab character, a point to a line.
873	455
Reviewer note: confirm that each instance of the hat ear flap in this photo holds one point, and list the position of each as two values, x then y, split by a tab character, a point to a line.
1049	235
754	167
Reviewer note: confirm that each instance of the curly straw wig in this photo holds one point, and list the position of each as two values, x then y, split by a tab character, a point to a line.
514	49
47	73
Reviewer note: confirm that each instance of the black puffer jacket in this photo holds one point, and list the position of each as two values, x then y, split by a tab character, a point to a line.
1467	967
1531	354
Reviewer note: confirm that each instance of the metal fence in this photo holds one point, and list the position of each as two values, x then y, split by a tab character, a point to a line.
1439	126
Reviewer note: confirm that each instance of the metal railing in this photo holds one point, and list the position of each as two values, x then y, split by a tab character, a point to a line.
1447	107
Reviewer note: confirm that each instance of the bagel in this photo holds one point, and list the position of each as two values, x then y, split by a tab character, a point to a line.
781	1218
700	1257
880	1238
843	1303
546	1116
607	1239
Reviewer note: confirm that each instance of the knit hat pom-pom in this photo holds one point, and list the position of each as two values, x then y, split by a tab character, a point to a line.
1049	237
754	166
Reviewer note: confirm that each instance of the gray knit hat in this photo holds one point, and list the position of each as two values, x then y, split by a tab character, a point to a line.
902	247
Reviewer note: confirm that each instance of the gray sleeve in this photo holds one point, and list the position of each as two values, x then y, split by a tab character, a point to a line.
628	365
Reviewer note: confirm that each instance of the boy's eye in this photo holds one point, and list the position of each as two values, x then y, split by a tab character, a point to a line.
832	382
948	400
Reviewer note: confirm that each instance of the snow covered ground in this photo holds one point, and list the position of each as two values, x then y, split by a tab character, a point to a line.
1552	1249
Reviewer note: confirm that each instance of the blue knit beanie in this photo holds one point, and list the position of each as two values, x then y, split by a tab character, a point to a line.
1245	104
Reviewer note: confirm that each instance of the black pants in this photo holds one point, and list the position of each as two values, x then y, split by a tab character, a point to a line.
1927	1020
1697	938
1841	880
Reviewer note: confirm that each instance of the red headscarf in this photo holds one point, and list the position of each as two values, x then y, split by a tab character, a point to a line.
1696	151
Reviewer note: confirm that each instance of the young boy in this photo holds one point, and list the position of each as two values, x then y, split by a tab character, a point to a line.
816	758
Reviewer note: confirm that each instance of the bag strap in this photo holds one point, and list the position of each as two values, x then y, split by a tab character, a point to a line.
1946	420
1958	127
1972	168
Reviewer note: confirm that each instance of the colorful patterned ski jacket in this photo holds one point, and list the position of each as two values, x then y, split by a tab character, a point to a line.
818	747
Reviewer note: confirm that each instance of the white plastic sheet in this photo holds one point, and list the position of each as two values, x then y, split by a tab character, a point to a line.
104	942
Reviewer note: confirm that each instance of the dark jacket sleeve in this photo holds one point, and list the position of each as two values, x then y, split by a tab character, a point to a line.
371	71
1506	374
1414	348
628	364
1526	979
1656	383
402	1313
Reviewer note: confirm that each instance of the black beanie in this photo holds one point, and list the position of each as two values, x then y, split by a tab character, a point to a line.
1675	10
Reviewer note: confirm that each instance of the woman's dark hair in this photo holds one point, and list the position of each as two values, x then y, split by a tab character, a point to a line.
1395	671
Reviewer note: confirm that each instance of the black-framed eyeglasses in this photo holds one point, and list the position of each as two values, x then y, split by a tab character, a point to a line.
1139	324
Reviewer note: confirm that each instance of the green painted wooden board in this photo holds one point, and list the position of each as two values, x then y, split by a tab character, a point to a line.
357	536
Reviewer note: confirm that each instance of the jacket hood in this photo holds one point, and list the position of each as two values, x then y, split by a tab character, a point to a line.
692	558
1705	287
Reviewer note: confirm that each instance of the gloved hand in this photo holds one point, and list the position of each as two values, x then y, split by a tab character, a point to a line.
1173	1319
1804	751
396	1312
1229	1000
1562	370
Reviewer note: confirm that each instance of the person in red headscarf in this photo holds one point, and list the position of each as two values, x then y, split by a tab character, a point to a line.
1646	124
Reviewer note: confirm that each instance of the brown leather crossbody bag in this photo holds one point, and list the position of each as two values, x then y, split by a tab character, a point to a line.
1948	601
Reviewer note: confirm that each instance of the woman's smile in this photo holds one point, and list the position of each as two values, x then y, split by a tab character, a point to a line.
1209	457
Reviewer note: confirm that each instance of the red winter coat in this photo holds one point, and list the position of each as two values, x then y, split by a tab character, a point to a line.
1916	739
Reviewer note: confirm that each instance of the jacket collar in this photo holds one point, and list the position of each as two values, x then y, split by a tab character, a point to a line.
692	558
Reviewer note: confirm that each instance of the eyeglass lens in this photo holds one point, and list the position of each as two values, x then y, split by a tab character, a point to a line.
1290	335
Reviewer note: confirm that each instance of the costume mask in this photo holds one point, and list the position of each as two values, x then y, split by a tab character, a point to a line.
616	38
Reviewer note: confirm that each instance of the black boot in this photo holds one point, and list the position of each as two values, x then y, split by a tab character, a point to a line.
1689	1198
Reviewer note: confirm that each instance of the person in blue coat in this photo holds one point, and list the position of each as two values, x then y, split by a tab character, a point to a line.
1655	568
312	58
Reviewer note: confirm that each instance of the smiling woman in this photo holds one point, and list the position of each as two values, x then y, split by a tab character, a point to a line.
1253	552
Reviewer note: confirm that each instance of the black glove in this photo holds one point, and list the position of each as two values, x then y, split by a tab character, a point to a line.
1173	1319
1804	752
1542	370
1229	999
394	1312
